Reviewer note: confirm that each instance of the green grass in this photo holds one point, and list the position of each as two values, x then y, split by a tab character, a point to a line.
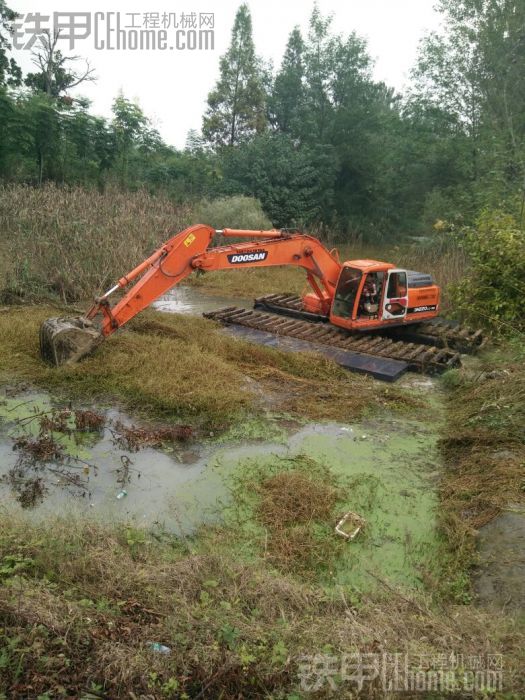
250	283
483	445
180	368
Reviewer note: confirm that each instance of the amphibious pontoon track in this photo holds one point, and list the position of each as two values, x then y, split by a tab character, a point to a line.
419	357
438	332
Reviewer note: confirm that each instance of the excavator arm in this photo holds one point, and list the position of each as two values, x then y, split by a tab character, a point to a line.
190	250
64	341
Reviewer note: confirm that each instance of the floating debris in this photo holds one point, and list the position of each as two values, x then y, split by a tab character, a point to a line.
32	492
58	422
29	491
41	449
354	524
57	447
89	420
133	438
159	648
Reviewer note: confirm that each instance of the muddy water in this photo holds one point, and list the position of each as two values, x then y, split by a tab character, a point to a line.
389	468
101	479
501	572
189	300
390	465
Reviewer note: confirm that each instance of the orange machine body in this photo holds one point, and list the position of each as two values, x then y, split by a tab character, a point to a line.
358	295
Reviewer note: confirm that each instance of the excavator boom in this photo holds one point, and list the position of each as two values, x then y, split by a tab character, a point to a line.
190	251
64	341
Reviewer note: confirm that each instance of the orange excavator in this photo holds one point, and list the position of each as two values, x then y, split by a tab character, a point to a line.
352	297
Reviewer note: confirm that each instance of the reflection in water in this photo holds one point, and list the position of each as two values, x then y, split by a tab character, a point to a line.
56	460
188	300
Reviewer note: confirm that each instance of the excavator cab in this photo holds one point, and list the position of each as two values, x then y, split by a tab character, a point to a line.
368	294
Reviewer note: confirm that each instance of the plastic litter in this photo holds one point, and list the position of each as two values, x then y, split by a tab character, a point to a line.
122	494
159	648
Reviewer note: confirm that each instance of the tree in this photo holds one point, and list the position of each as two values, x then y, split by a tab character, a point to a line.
55	75
345	113
424	167
89	145
293	184
10	73
355	129
502	47
15	139
474	71
45	123
194	142
318	65
287	100
495	246
136	141
236	106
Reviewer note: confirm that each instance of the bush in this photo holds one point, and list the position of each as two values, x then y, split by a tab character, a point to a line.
232	212
73	243
491	294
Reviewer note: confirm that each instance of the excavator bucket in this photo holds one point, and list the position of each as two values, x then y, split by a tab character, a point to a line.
64	341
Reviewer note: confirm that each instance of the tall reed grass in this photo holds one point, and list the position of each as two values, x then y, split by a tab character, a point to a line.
73	243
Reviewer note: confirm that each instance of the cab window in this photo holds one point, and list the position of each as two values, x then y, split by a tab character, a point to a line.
395	304
346	292
397	285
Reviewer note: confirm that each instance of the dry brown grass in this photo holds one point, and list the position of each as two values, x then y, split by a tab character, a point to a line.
297	510
134	438
294	497
89	420
80	604
483	446
250	283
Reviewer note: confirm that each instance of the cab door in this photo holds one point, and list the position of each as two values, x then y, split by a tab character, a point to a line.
395	300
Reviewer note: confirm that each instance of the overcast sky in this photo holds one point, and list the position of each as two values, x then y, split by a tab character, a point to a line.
171	86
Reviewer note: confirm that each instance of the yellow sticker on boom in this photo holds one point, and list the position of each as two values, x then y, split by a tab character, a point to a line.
189	240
